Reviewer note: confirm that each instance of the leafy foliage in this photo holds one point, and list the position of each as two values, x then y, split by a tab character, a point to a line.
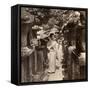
46	19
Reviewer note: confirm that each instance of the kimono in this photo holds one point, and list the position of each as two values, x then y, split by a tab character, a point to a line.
59	53
51	46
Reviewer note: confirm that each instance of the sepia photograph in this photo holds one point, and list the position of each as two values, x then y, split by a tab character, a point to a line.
53	44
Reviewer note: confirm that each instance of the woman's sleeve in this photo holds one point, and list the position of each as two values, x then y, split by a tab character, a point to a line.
48	47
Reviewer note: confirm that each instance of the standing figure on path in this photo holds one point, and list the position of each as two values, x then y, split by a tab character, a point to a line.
59	53
51	46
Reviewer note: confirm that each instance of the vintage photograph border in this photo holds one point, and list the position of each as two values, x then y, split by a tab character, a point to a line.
19	45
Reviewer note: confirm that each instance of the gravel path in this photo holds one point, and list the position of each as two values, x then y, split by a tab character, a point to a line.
58	75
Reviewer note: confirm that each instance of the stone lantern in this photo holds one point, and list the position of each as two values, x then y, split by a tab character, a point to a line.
26	52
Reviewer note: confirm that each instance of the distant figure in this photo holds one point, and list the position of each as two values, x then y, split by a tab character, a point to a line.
59	53
51	46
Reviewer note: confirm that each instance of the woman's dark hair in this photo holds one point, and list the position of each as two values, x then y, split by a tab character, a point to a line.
51	35
69	43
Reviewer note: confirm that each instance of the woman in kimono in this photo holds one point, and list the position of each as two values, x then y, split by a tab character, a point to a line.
51	46
59	52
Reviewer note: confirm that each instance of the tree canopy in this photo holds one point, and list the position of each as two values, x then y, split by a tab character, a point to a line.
46	19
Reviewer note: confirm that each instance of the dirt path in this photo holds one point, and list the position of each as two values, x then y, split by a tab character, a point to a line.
57	75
